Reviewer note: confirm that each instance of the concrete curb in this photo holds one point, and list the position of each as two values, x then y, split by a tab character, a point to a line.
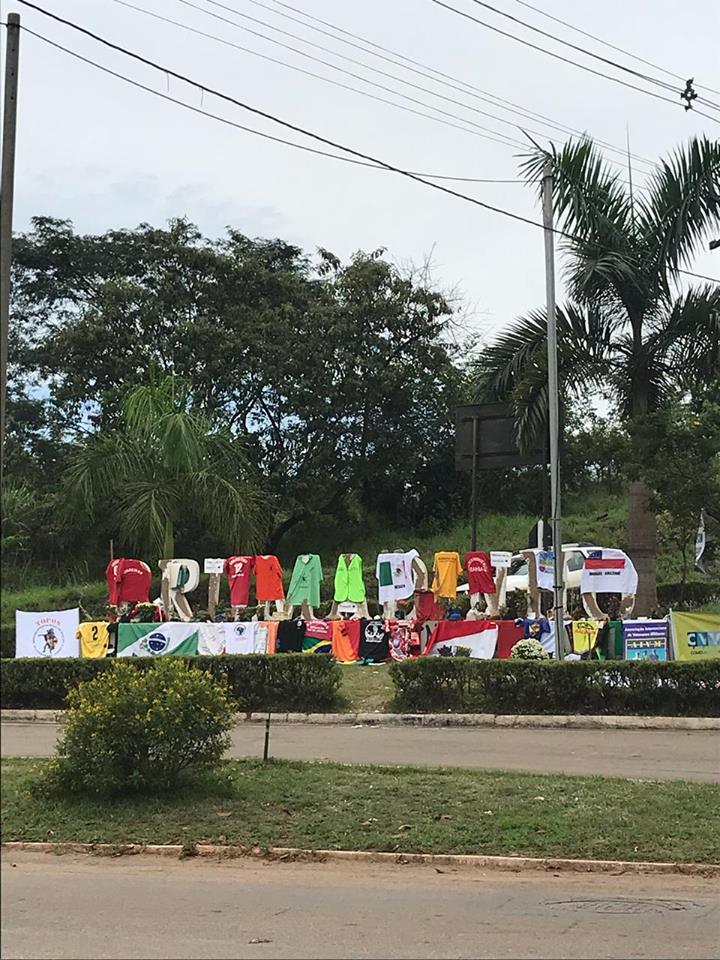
552	722
285	854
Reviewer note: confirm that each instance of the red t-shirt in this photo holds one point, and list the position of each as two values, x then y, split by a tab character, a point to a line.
128	581
268	579
479	572
238	570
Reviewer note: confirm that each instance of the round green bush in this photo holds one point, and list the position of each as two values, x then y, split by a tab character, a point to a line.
141	731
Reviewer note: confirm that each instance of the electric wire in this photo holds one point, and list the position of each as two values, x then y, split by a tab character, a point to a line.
252	130
557	56
315	136
497	135
612	46
457	85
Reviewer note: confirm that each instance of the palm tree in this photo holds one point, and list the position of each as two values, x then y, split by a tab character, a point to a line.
627	329
166	462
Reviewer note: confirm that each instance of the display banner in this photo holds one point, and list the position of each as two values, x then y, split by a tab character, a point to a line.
455	637
52	634
158	639
645	639
696	636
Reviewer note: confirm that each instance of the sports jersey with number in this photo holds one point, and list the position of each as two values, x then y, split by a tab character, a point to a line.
238	570
94	638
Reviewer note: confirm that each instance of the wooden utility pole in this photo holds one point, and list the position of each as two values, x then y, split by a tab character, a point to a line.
7	183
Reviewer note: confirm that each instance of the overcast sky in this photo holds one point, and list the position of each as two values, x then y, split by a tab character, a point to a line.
106	155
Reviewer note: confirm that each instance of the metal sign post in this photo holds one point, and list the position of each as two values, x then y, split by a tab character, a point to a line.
553	404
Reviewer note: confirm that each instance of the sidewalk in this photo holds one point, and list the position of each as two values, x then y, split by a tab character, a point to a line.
539	721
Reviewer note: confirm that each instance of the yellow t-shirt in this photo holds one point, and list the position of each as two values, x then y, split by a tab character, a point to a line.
584	635
94	638
447	570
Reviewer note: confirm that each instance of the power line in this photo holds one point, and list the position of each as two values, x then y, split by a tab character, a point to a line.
458	85
246	129
308	133
573	46
557	56
612	46
496	135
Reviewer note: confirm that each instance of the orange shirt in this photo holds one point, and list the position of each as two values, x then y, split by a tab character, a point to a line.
268	579
346	640
272	629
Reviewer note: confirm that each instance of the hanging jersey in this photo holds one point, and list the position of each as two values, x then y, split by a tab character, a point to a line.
346	640
318	636
268	579
128	581
374	641
94	638
290	636
479	572
394	572
349	583
306	580
584	635
447	570
238	571
608	571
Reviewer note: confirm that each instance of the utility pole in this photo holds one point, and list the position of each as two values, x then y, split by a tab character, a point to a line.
7	182
553	404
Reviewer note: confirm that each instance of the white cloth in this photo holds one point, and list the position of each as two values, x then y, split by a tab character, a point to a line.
545	569
211	639
248	636
401	584
51	634
608	571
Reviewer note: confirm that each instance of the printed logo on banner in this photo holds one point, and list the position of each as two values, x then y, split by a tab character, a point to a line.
49	638
239	629
156	642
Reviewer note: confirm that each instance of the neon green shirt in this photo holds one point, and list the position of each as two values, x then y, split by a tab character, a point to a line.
349	583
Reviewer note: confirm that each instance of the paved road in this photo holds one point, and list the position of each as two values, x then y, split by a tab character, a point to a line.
644	754
83	907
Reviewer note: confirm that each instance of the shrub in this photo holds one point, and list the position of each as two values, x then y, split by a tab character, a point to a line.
529	649
141	731
281	682
439	684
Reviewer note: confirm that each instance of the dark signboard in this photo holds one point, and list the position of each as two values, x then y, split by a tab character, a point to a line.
493	427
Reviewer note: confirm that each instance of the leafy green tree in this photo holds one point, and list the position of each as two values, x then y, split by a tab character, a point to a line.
628	329
166	461
678	457
338	379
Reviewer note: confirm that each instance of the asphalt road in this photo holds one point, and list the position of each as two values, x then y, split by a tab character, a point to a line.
643	754
143	907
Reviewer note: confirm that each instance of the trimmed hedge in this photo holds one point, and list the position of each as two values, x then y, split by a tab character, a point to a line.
464	685
282	682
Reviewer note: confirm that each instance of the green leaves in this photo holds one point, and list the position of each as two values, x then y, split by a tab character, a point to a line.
166	461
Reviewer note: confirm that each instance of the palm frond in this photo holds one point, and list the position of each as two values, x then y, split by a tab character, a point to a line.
514	367
147	508
681	206
688	338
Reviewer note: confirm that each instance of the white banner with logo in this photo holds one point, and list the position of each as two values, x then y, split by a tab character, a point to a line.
51	634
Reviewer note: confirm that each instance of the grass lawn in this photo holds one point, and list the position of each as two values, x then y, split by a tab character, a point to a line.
326	806
366	689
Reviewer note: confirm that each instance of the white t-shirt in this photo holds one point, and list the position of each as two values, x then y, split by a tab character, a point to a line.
395	575
608	571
